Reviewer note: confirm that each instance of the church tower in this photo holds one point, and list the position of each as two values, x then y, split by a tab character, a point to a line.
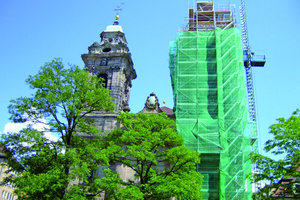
111	60
210	94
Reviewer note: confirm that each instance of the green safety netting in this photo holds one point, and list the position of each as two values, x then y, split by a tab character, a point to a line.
208	81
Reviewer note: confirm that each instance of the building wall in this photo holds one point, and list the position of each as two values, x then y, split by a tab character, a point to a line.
6	191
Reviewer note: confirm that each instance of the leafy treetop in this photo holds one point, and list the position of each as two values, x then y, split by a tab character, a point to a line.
61	100
278	173
150	147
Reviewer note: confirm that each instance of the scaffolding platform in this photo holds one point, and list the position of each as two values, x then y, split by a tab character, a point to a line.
256	60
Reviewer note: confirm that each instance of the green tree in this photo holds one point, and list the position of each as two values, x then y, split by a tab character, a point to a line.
276	172
150	147
60	169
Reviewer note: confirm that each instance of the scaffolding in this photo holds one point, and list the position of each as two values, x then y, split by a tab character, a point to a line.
206	16
210	97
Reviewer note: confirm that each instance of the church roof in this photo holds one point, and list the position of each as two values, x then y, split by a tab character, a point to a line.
167	110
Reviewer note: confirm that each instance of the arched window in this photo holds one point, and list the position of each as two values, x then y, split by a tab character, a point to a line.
103	80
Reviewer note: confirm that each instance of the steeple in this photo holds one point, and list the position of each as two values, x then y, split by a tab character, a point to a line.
111	60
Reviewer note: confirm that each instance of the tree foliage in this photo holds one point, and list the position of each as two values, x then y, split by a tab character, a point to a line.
279	173
150	147
63	168
56	169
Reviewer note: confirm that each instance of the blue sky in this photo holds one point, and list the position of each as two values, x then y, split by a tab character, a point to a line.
36	31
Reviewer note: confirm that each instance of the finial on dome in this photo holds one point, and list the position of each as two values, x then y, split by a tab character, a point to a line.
118	10
116	22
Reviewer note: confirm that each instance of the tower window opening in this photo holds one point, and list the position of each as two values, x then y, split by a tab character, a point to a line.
103	80
110	39
106	49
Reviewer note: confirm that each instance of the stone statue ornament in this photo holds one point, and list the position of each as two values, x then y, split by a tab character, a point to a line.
152	105
152	101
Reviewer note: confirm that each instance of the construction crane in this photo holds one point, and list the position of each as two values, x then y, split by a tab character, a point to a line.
250	60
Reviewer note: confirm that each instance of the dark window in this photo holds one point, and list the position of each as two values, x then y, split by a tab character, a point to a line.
103	62
103	80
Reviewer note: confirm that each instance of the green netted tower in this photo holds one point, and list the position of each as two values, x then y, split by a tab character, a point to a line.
210	95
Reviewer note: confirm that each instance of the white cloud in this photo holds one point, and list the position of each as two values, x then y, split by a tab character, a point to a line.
13	127
16	127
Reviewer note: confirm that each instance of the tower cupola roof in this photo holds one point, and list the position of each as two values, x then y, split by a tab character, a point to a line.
115	27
